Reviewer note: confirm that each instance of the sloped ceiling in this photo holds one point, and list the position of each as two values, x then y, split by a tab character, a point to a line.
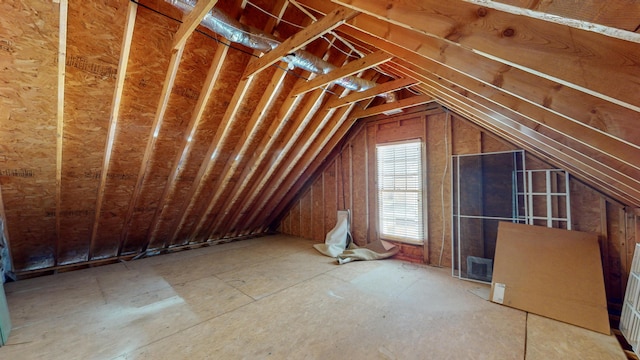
170	134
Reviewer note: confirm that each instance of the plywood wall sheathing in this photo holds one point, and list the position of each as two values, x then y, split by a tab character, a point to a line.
29	69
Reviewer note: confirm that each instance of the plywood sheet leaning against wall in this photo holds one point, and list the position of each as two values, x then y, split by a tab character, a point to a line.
28	93
551	272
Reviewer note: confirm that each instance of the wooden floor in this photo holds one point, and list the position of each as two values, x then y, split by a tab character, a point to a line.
276	297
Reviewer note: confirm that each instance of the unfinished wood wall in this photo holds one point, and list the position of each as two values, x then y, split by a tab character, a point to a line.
346	181
28	58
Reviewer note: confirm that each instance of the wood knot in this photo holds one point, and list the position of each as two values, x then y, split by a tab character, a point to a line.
508	32
482	12
389	6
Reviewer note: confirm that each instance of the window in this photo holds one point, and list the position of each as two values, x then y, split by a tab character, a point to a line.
400	190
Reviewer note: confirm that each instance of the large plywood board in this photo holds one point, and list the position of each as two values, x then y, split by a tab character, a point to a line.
551	272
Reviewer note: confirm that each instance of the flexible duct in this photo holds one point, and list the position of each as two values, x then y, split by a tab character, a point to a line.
234	31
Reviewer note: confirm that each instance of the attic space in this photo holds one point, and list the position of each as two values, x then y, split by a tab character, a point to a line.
205	178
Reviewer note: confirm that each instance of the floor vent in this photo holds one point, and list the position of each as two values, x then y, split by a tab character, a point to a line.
479	268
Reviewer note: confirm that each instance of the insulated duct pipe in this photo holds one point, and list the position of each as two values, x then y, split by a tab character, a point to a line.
234	31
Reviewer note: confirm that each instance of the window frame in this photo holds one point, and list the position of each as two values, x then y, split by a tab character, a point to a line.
422	193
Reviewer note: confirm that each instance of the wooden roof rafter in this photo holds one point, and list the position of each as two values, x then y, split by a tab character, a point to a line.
313	161
274	133
251	127
275	176
349	69
220	138
302	38
513	127
170	77
310	106
279	172
575	105
392	106
241	149
339	124
212	155
523	41
373	92
191	21
578	129
571	103
113	119
207	88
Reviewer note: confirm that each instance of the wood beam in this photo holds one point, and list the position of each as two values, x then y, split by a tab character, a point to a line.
392	107
170	77
62	61
349	69
115	112
186	142
310	107
240	151
293	156
375	91
191	21
323	120
599	114
211	156
625	176
220	138
547	49
254	170
273	134
302	38
300	168
489	116
623	150
310	168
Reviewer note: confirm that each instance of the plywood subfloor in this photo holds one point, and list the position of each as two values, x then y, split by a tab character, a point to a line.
272	297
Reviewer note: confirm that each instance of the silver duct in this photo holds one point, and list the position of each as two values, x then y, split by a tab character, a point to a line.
256	39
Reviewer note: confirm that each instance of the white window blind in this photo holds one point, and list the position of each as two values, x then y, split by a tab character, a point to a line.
400	190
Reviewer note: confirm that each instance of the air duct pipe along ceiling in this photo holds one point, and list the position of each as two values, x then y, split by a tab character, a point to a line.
234	31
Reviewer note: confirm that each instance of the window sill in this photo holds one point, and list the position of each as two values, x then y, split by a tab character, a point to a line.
404	241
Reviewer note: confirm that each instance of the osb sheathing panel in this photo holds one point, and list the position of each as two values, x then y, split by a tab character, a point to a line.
177	198
28	95
295	219
306	212
330	204
344	179
194	65
237	133
247	176
438	143
317	220
359	212
94	38
205	190
148	64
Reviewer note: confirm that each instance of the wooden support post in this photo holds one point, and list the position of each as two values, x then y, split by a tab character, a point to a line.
62	61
